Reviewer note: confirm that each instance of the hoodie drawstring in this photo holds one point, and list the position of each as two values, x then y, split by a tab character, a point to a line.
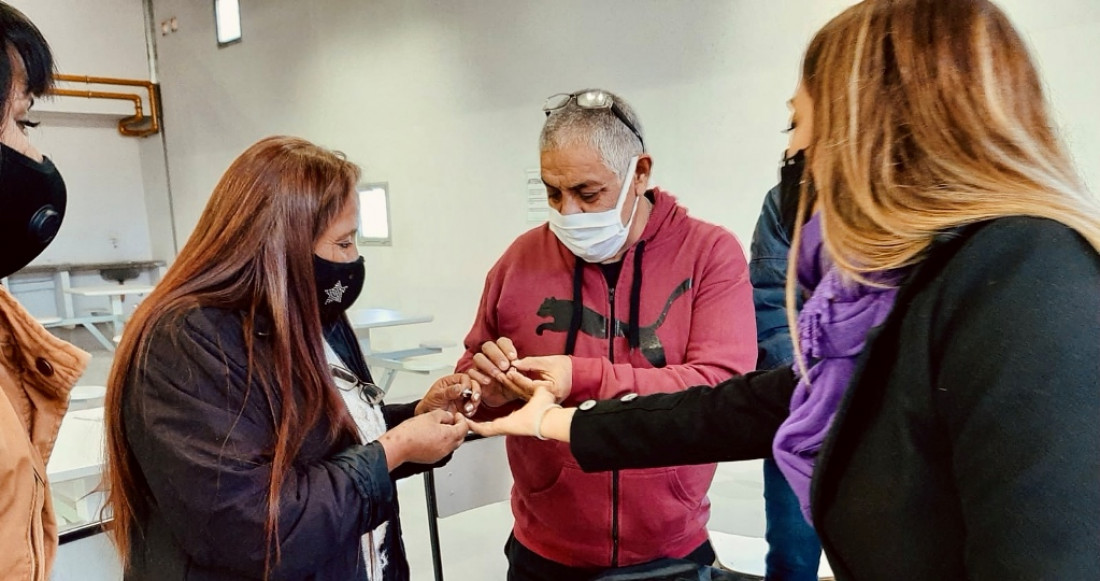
633	326
578	307
633	329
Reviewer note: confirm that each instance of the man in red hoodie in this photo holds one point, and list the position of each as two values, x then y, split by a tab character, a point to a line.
633	297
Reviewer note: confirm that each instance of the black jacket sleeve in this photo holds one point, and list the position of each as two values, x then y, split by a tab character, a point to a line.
1018	389
395	413
202	438
734	420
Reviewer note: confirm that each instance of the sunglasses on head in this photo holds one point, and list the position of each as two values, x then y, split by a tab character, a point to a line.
594	99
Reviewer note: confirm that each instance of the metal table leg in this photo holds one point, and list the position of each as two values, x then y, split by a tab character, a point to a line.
433	524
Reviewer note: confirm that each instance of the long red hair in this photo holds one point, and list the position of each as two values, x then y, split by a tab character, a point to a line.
251	251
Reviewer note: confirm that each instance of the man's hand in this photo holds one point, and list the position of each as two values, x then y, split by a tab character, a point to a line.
490	371
451	393
552	372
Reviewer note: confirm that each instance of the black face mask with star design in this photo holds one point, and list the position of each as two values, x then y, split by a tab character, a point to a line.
338	285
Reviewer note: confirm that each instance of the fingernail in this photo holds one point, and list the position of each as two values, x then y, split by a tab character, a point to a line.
469	408
476	396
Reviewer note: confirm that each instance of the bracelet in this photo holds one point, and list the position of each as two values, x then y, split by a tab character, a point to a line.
539	418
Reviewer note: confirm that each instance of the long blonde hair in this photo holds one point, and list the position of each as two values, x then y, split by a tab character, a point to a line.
928	115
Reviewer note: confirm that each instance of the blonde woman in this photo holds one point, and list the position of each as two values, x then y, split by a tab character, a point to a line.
946	397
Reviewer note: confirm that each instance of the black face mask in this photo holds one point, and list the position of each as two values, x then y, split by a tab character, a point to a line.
32	205
791	170
338	285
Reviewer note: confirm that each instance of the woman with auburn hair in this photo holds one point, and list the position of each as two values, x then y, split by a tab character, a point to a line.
941	420
245	439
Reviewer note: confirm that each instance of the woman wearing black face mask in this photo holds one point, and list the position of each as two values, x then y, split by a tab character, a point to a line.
37	370
245	439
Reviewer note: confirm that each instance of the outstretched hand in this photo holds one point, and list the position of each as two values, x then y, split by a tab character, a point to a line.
541	410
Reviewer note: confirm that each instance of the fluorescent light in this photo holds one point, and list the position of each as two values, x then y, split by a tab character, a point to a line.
227	17
374	214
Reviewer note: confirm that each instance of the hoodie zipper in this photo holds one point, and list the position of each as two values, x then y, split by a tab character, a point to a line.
611	326
614	473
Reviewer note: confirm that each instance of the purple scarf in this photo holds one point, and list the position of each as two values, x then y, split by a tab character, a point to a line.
832	331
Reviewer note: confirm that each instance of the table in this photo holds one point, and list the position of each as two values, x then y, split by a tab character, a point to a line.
78	450
76	467
115	292
61	274
367	319
390	362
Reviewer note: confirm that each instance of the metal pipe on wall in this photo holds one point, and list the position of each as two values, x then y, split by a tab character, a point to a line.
133	126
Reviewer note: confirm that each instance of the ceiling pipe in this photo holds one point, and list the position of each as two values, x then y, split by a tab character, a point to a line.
137	125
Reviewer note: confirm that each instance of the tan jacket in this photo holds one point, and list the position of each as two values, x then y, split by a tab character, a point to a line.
37	371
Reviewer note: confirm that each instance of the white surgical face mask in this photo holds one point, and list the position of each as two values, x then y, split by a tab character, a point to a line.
596	236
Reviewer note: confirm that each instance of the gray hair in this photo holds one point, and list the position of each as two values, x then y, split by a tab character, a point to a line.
599	129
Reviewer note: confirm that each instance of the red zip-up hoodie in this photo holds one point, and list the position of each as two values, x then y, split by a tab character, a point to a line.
681	314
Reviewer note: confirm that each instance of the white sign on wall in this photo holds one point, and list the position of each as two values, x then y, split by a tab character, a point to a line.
537	209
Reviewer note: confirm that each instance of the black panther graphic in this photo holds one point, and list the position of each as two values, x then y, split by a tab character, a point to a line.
595	324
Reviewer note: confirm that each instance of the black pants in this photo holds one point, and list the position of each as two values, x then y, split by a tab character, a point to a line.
525	565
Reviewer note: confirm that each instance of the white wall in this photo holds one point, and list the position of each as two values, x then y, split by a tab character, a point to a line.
1065	38
107	218
442	100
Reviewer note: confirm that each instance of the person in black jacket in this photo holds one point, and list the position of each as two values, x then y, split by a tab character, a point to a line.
245	438
963	444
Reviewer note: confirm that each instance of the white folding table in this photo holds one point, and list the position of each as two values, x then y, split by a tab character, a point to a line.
390	362
115	292
76	467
